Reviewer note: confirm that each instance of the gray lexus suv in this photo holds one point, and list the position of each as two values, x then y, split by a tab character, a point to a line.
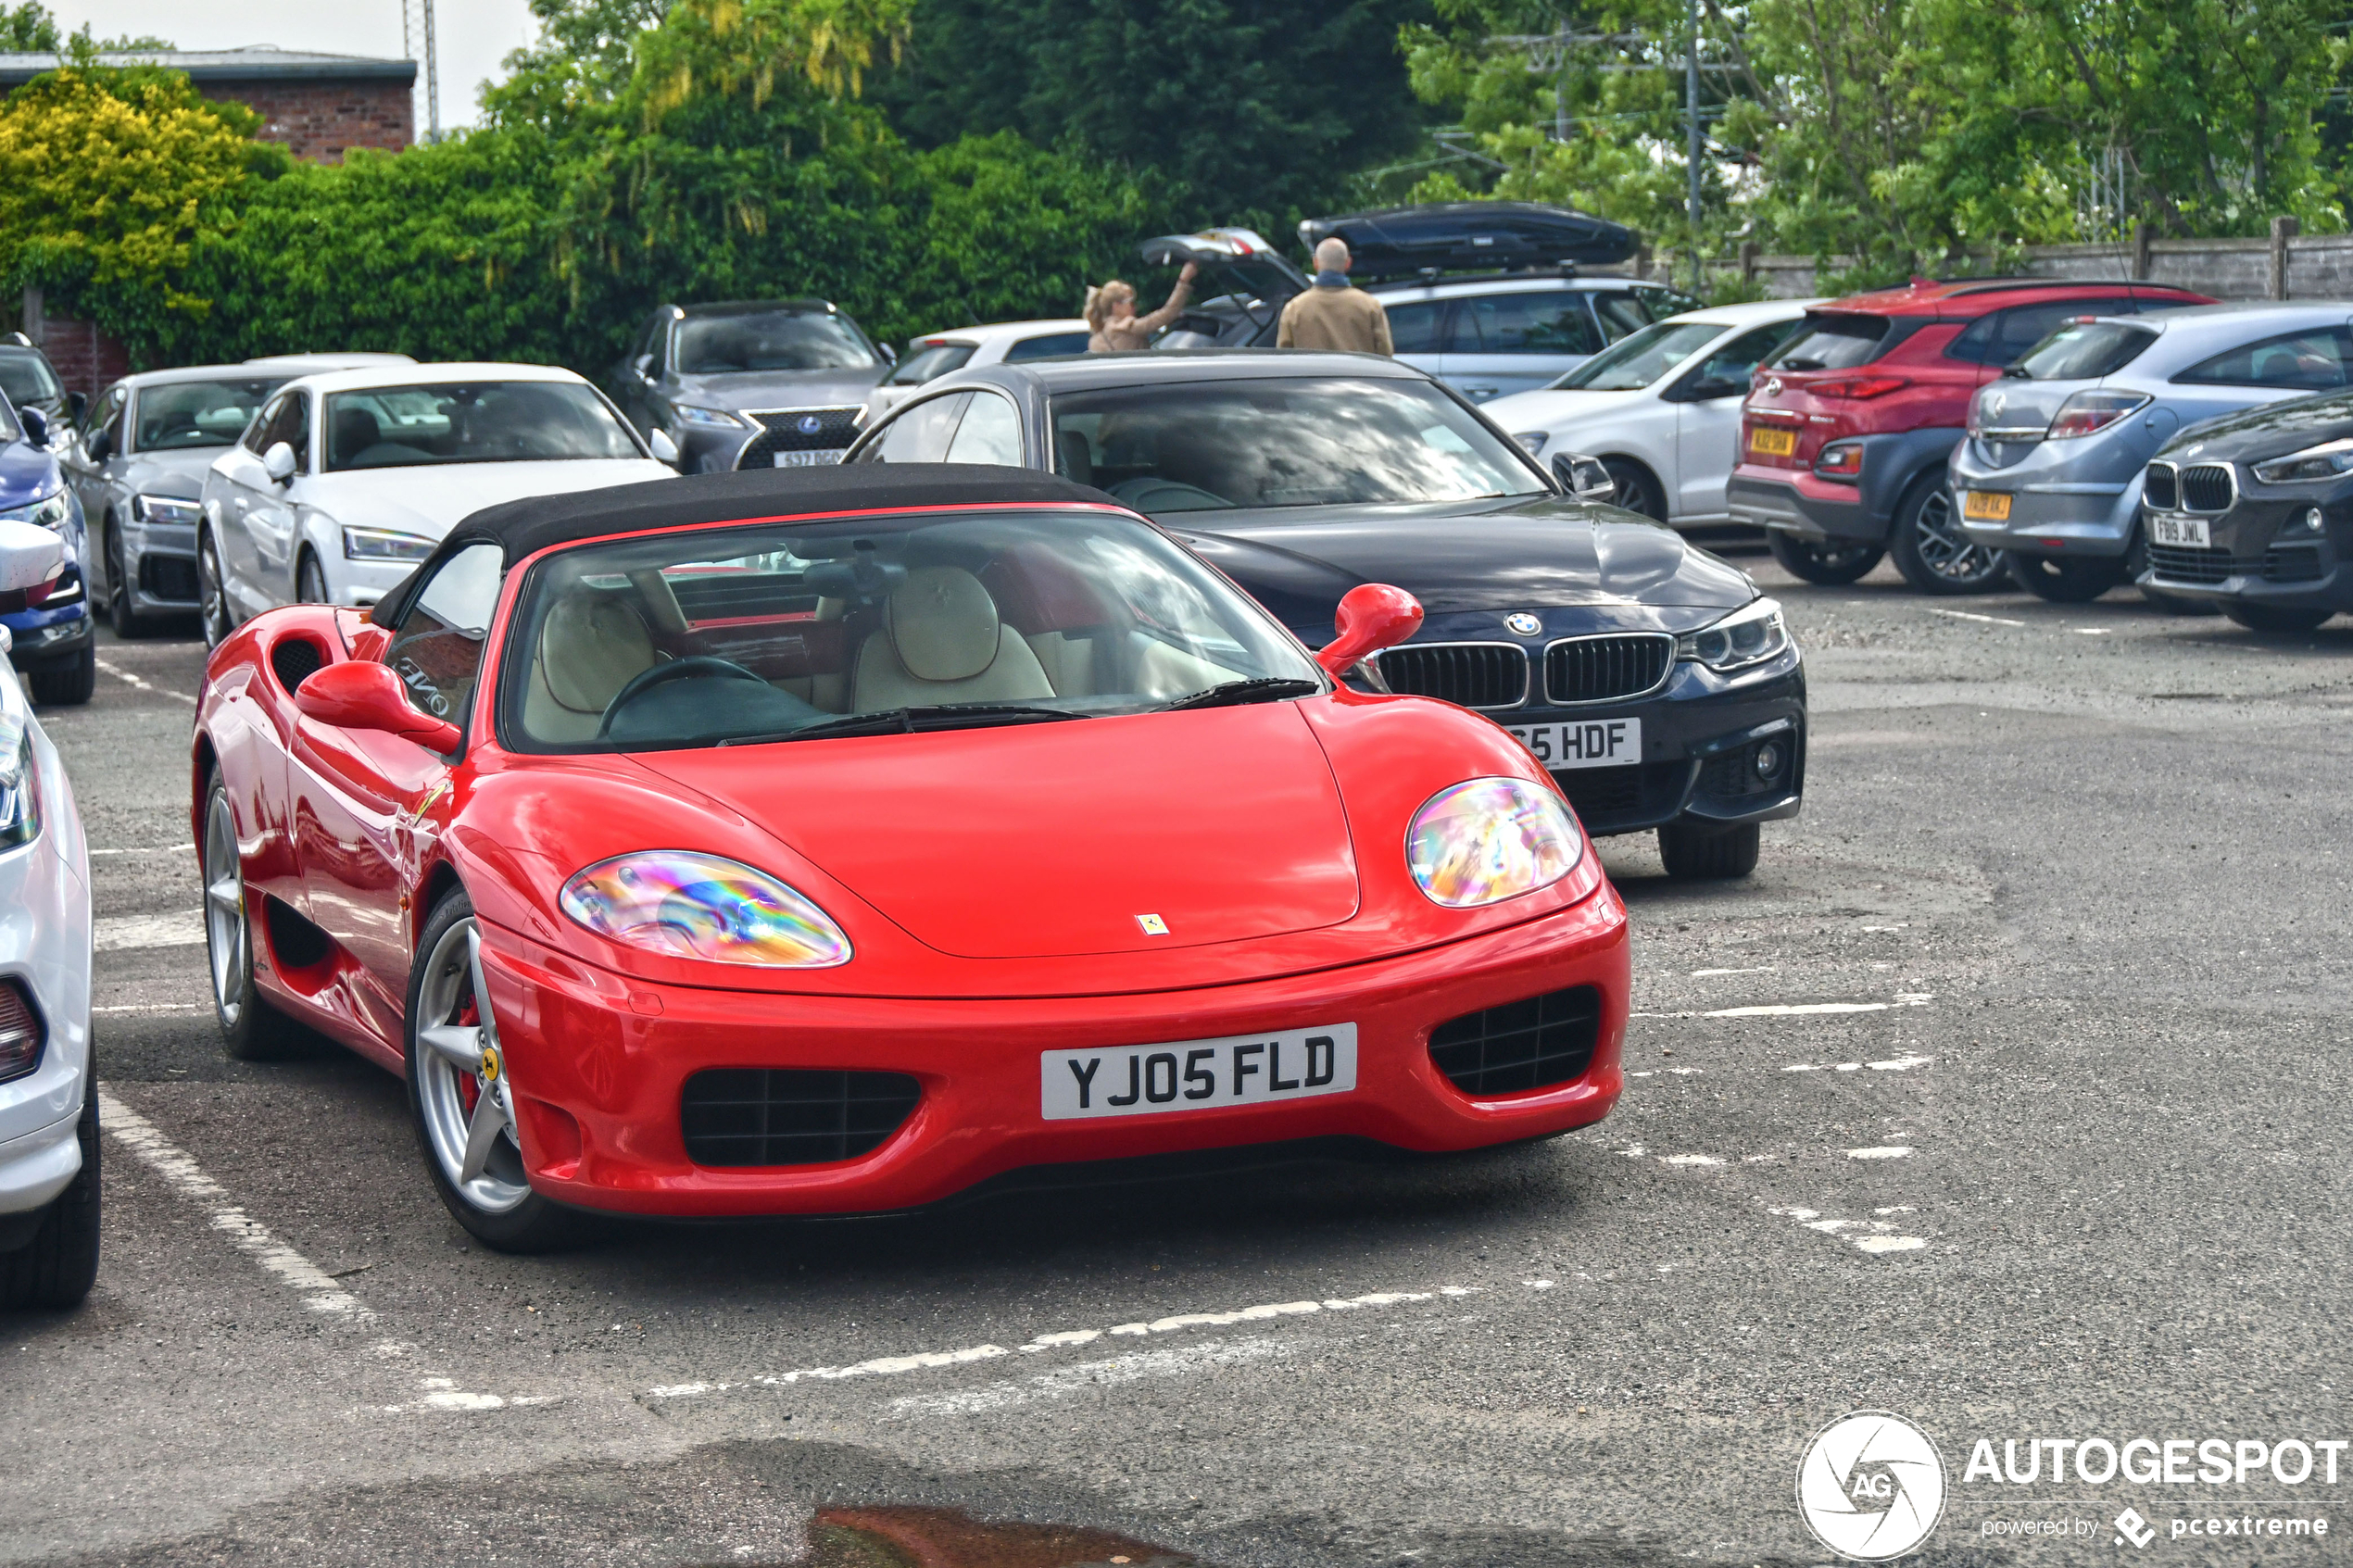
749	383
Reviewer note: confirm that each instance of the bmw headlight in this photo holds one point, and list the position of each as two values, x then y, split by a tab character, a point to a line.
686	905
1748	635
708	418
166	509
1485	840
384	543
2330	460
50	511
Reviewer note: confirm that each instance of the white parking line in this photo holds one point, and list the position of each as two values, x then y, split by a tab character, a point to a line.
926	1360
249	1236
1879	1236
149	849
1893	1064
179	928
1087	1376
119	673
1972	615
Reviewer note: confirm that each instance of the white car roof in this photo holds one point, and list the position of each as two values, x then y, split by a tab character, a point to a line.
997	330
1760	313
375	376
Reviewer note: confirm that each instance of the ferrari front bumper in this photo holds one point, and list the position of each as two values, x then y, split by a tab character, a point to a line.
600	1063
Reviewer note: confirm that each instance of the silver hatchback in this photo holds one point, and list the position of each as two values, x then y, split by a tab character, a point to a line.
2051	470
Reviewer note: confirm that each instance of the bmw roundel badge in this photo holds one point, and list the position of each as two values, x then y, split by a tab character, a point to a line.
811	424
1522	623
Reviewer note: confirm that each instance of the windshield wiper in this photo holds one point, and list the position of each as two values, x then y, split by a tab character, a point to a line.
1268	688
908	720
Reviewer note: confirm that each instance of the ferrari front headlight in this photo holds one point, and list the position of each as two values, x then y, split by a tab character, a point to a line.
1485	840
686	905
1749	635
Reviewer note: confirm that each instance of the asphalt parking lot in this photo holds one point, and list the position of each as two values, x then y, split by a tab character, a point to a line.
2008	1096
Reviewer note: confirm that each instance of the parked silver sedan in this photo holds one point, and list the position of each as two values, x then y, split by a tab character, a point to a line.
138	463
2051	470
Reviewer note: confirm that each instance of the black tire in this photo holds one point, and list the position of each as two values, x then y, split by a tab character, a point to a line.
58	1266
251	1029
1931	550
1831	565
1638	488
2074	581
311	580
1709	854
69	682
508	1223
127	624
212	599
2276	620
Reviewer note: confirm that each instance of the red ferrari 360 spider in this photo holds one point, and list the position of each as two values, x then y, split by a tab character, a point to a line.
822	842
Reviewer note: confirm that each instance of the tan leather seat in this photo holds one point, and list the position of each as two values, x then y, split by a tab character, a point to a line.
941	641
591	647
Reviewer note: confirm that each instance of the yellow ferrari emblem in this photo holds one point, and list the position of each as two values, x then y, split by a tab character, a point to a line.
490	1064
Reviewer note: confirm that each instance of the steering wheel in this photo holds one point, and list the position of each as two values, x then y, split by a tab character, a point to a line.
661	674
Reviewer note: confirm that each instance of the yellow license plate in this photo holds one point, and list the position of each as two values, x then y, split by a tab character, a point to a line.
1985	506
1772	443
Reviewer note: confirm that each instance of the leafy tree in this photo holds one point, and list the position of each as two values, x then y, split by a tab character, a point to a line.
30	28
1246	110
109	178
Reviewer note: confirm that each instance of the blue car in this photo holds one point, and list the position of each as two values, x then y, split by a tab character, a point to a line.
53	638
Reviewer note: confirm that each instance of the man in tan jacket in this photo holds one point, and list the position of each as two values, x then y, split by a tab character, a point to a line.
1334	314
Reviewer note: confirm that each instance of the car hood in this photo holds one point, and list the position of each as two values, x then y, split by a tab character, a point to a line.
1052	840
2271	430
27	473
177	474
779	389
1510	553
1548	409
428	502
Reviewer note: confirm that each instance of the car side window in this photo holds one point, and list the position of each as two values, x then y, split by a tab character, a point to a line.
2002	338
919	433
1046	346
2317	361
288	420
1658	303
107	416
1554	322
1737	360
1413	326
251	441
657	344
1622	314
436	650
989	432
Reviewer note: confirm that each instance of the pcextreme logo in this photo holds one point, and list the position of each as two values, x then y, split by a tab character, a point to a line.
1871	1486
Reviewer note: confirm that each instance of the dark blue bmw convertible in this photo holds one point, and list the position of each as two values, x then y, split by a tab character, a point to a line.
1653	681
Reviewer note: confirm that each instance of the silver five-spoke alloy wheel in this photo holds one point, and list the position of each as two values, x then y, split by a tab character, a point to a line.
224	911
461	1078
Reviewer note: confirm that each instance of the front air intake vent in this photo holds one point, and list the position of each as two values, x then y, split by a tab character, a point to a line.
791	1116
1536	1044
294	660
1473	674
1603	669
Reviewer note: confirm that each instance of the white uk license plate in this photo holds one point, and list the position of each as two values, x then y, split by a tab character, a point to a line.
1198	1074
810	460
2188	532
1593	742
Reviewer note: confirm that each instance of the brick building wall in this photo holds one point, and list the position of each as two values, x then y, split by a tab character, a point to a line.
87	360
318	118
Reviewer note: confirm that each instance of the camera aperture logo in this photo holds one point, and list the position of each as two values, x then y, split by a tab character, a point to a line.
1871	1485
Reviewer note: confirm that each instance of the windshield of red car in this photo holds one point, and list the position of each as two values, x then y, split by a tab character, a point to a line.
1191	446
708	636
395	427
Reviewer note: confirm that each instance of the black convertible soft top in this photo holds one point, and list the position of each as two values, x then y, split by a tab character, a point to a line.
524	528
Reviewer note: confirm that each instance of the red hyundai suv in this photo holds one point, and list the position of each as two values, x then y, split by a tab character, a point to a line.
1847	429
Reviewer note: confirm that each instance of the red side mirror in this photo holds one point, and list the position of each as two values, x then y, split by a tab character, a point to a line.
1372	615
362	694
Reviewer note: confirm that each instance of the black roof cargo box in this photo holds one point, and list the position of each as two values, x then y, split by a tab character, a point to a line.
1456	236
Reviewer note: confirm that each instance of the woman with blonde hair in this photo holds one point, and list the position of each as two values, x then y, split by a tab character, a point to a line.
1111	314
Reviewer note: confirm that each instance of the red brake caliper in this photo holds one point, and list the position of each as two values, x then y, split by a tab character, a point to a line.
469	1086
